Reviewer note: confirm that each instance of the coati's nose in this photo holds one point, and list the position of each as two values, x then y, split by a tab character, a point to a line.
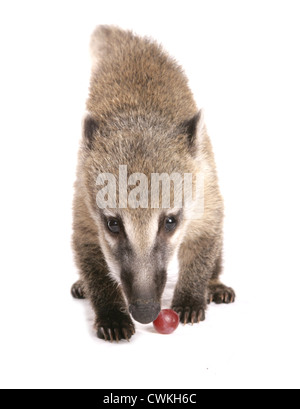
144	311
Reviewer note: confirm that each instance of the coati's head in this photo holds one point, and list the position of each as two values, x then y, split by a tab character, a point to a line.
138	235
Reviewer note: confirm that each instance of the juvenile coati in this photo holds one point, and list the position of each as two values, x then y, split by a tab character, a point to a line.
142	115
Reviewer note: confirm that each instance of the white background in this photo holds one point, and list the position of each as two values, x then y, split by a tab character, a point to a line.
242	58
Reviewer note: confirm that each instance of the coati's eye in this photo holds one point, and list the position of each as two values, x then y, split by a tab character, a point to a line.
114	226
170	224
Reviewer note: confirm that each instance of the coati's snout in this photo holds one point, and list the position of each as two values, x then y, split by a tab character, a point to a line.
145	311
143	290
138	251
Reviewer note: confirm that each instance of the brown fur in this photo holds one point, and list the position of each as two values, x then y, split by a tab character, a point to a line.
141	112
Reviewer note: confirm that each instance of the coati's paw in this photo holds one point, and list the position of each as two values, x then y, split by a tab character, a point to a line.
77	290
115	327
192	315
220	294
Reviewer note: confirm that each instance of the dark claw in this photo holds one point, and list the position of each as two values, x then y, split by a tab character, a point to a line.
193	317
111	337
102	333
218	298
125	334
179	312
116	334
186	315
77	291
201	316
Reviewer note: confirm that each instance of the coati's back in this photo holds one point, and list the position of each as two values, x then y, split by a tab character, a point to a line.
135	75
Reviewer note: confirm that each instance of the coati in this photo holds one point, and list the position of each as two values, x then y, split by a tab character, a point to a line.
141	114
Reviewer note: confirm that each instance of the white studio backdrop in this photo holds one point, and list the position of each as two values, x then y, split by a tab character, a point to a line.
242	59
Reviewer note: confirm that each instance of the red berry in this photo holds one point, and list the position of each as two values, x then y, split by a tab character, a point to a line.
166	322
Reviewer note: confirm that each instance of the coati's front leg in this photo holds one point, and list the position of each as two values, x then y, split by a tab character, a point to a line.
217	291
197	259
112	319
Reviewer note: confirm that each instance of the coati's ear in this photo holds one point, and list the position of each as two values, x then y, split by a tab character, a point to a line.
194	128
90	128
